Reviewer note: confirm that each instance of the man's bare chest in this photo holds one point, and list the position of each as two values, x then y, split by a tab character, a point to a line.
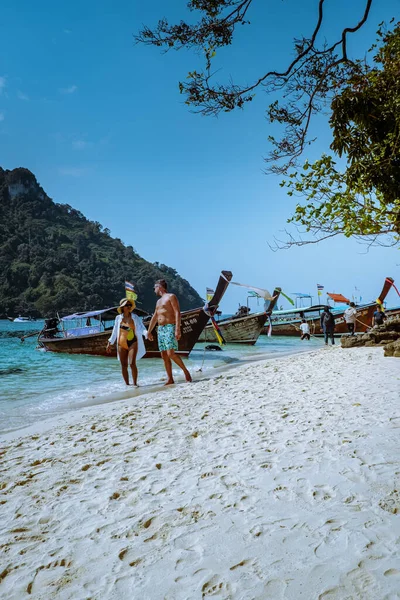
164	305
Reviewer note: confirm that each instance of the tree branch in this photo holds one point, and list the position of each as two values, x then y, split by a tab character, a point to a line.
320	69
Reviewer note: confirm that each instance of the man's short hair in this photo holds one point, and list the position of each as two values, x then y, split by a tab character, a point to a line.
162	283
352	304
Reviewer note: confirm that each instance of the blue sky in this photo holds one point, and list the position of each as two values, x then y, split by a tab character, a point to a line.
101	124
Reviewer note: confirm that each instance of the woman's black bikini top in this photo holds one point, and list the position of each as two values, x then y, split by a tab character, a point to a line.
131	334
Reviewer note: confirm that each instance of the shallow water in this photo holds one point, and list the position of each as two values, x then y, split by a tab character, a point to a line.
35	385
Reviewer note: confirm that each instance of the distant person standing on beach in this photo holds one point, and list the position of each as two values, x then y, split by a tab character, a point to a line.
305	330
168	317
350	315
378	317
128	332
328	325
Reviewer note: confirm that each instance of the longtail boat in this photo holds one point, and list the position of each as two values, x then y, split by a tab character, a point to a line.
242	328
287	322
392	312
94	328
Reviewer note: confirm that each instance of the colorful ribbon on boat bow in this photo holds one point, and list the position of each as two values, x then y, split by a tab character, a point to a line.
217	332
269	334
392	284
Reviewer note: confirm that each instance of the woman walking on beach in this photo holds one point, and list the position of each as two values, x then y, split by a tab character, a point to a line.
128	332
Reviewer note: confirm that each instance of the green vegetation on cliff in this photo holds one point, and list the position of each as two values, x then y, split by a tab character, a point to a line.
54	259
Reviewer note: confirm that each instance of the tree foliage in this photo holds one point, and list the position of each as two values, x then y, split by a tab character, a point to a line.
364	199
363	101
54	259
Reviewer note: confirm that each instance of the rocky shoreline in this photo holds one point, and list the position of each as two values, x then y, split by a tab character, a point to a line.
386	335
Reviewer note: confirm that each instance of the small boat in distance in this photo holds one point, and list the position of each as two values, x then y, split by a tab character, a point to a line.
287	322
90	330
20	319
243	327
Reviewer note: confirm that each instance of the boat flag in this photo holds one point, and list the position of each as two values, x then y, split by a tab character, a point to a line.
287	298
320	288
209	294
260	291
130	291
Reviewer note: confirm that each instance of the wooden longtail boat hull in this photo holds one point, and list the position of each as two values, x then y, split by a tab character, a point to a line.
244	330
288	324
241	330
292	326
192	324
392	312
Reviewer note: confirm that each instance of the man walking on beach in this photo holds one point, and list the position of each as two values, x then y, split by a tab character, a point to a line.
168	317
328	325
350	315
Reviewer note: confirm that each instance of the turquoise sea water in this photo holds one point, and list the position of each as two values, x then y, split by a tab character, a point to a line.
35	384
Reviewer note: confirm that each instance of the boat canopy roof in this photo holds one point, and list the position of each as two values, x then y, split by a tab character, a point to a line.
299	309
338	298
305	309
301	295
106	314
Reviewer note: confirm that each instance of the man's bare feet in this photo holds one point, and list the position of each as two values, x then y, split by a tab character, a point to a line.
188	377
169	382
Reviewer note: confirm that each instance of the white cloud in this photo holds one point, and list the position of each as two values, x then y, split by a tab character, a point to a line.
3	83
69	90
67	31
2	117
73	171
22	96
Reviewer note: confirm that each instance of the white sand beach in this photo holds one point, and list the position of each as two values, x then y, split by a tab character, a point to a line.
274	480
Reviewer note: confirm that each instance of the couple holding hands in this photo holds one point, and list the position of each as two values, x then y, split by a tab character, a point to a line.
129	331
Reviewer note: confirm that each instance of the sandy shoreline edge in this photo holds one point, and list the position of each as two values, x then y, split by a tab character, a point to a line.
272	480
129	393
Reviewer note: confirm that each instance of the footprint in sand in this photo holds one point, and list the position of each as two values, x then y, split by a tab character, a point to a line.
215	587
391	503
322	493
242	563
391	573
126	555
364	584
336	593
334	542
51	574
357	584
